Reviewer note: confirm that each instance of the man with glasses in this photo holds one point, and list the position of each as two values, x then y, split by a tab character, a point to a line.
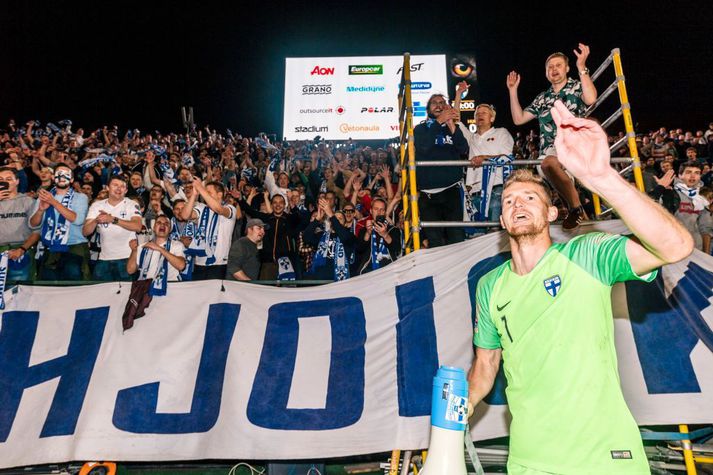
438	139
350	218
576	95
59	215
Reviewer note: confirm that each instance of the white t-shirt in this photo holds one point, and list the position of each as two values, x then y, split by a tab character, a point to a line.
114	238
495	141
225	234
175	247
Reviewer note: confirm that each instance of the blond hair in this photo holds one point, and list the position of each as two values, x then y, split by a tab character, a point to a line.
558	55
524	175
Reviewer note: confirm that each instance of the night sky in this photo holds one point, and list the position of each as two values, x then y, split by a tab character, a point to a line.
135	64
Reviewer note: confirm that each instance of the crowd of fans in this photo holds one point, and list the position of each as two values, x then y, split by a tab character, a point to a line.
120	205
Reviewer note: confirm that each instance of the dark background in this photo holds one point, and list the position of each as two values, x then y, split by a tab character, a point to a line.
135	64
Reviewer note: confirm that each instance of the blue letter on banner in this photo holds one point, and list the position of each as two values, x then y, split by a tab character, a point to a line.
74	369
267	406
135	409
667	330
496	396
416	347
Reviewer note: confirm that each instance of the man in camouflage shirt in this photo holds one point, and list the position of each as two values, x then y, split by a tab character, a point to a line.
576	95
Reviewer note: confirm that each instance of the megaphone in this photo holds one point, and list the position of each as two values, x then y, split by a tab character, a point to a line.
449	420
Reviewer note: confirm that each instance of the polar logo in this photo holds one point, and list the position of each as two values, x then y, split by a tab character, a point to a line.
376	110
322	71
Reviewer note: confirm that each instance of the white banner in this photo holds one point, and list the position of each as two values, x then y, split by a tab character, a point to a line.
238	371
355	97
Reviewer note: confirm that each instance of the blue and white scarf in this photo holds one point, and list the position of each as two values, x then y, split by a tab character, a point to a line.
331	246
102	158
699	202
176	234
205	236
3	278
489	167
158	286
285	271
378	250
55	228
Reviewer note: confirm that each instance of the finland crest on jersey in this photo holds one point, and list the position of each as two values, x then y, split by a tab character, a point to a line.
552	285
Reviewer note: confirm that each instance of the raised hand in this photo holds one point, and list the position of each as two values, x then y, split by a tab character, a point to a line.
582	54
461	87
513	80
582	147
666	180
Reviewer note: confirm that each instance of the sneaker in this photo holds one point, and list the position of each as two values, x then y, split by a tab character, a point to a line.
573	219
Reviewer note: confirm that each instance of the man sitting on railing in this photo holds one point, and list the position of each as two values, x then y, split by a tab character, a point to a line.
439	139
575	95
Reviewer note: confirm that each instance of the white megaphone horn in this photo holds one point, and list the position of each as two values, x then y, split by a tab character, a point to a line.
449	420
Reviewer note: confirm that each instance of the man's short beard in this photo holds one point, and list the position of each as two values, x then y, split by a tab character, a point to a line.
62	187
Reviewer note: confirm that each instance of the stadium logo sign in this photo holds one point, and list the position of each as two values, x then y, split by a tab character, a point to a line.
419	110
414	67
322	71
363	69
346	128
420	86
311	128
310	89
376	110
340	110
365	88
328	110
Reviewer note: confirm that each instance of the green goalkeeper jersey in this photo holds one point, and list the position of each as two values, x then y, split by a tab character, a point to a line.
556	330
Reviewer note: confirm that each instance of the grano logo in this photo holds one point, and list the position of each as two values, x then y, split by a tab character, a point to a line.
310	89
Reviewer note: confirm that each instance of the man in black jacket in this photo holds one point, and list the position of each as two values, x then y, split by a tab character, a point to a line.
439	139
279	248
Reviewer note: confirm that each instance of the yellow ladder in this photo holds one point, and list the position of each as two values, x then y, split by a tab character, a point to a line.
407	160
624	110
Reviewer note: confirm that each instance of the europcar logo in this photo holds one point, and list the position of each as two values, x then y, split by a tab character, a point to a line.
310	89
365	88
346	128
376	110
322	71
366	69
311	128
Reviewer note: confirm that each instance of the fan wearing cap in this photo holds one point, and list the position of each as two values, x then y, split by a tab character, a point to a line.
243	258
59	215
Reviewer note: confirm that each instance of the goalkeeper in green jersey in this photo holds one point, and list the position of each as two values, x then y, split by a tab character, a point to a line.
547	314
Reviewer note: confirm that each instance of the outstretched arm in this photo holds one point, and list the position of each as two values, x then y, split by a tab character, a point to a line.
582	148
